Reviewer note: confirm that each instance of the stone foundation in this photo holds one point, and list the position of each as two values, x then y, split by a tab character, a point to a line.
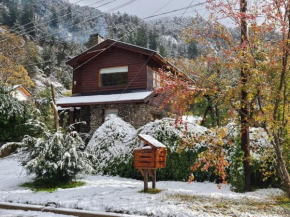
136	114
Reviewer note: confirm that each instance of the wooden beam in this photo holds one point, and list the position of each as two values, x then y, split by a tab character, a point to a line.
150	173
141	171
154	179
145	180
71	115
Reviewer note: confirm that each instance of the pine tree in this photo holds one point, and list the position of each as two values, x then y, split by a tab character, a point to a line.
152	41
141	39
54	18
162	51
56	156
11	16
192	50
28	17
69	13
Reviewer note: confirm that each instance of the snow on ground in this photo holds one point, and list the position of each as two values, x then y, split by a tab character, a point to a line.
114	194
18	213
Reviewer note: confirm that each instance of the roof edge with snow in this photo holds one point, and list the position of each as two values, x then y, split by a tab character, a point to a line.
104	99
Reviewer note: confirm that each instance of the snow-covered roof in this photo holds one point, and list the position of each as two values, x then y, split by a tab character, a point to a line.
149	140
101	99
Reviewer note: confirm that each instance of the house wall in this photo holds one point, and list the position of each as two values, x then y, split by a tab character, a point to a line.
88	79
159	99
136	114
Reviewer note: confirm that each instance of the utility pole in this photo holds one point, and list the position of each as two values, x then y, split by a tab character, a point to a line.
244	110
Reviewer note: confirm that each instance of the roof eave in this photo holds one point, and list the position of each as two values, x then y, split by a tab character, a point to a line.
99	103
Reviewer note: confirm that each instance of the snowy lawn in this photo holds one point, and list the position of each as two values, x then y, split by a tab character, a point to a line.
114	194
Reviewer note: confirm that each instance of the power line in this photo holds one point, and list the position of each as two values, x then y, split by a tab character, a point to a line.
122	5
71	25
187	8
14	29
92	18
163	6
199	4
26	31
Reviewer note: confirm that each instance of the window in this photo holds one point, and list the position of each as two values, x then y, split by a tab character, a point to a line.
114	76
109	112
156	80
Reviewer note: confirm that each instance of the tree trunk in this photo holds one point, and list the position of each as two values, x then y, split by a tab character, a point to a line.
244	112
282	170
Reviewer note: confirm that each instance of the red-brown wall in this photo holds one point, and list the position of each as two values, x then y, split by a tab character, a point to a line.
87	77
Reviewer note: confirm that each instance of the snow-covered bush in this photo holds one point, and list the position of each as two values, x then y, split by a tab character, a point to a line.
56	156
112	143
14	118
170	133
263	162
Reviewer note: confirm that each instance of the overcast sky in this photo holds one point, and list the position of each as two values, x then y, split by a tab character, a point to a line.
144	8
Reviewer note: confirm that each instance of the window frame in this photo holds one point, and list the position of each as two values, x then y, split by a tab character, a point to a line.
100	76
156	80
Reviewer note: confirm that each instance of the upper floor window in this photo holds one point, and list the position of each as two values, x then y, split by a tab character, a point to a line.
156	80
114	76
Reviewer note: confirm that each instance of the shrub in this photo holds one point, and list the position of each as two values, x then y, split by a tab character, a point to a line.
16	118
56	156
112	144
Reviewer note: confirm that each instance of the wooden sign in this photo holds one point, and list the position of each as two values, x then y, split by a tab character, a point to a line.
149	158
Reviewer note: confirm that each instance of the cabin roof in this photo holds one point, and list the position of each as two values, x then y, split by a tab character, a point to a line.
139	96
22	88
94	50
152	142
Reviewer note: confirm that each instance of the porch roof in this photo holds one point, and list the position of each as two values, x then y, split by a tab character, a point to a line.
104	99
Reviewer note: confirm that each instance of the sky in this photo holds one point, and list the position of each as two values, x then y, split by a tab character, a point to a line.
144	8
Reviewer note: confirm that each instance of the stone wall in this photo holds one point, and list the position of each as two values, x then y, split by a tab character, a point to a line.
135	114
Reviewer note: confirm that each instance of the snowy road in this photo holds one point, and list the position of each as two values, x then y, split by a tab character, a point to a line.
114	194
20	213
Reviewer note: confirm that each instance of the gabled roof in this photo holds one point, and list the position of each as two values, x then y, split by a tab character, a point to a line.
91	52
152	142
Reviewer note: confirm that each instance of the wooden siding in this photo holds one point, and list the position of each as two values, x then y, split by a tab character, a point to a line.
77	77
149	78
113	57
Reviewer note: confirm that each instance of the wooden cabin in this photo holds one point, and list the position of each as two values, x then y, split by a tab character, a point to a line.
113	77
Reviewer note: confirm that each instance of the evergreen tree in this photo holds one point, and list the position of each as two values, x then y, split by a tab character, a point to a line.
69	13
152	41
130	39
141	39
28	17
11	15
162	51
56	156
192	50
54	18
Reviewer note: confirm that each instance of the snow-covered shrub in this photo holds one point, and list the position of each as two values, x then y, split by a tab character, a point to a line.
263	162
56	156
14	115
170	133
112	144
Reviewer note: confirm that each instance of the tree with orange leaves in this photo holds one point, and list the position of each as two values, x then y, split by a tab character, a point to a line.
259	67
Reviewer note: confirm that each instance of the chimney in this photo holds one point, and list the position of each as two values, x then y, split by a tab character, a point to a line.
95	39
